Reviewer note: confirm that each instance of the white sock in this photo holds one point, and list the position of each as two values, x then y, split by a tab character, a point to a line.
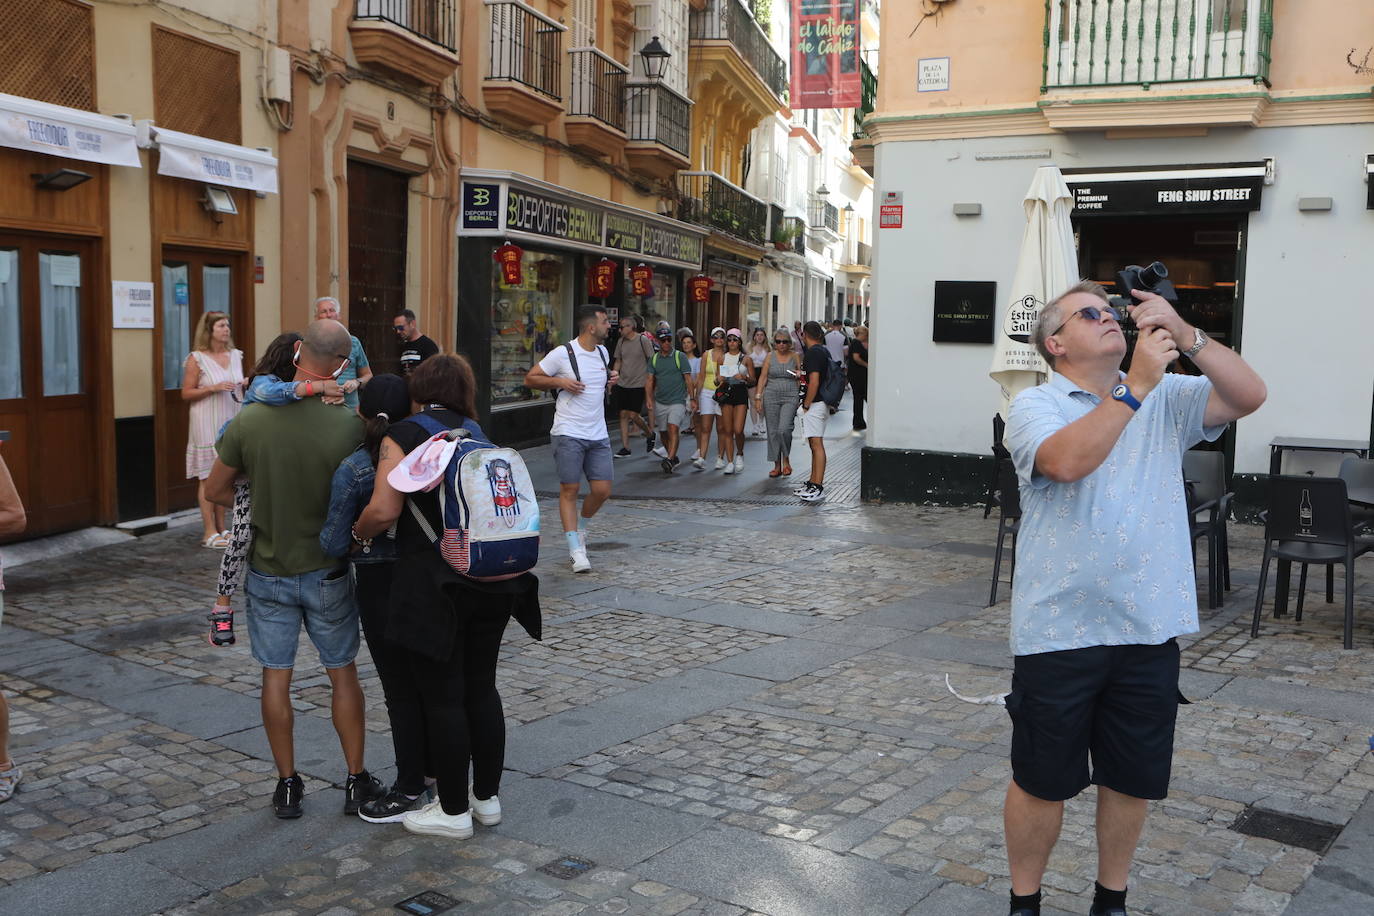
574	542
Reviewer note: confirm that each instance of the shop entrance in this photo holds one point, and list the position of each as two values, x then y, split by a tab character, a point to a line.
48	368
192	282
377	212
1206	260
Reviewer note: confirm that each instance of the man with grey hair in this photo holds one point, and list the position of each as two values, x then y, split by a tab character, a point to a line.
1105	579
289	454
357	373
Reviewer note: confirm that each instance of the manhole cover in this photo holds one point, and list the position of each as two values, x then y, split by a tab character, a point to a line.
426	903
1288	829
568	867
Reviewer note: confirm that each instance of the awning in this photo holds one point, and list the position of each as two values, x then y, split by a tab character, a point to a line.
1225	187
36	126
200	159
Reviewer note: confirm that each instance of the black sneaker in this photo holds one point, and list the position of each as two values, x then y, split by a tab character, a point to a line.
623	453
649	442
667	465
286	801
391	807
1107	911
221	626
676	461
361	788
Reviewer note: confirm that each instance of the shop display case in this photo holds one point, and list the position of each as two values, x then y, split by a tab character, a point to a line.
527	321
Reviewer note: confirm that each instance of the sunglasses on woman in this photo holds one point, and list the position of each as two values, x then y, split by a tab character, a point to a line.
717	336
1091	313
782	341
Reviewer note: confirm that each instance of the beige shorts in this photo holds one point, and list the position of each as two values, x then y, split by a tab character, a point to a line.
813	421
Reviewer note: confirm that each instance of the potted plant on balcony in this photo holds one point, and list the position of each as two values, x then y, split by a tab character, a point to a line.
784	234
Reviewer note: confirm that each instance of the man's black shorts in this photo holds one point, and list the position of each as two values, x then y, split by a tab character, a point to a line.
1115	703
631	399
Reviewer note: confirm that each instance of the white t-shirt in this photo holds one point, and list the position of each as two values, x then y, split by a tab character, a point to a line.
835	342
582	416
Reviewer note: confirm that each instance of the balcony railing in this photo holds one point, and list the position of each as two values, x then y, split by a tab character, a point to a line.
863	254
797	227
598	87
868	97
432	20
1140	42
729	20
823	215
526	47
657	114
707	199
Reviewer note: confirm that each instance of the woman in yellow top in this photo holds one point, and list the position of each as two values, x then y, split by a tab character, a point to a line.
708	378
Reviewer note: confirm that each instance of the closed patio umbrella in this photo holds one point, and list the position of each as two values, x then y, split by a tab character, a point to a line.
1046	266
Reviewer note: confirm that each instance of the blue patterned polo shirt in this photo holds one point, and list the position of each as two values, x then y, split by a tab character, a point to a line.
1106	560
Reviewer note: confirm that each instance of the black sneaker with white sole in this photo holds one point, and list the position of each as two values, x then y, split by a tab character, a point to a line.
391	808
667	465
363	787
813	493
623	453
286	801
649	442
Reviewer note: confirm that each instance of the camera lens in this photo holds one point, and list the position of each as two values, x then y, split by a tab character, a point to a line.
1151	275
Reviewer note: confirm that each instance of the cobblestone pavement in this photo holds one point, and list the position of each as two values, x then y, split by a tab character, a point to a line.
742	709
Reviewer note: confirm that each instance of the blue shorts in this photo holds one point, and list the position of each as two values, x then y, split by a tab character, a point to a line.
321	599
577	458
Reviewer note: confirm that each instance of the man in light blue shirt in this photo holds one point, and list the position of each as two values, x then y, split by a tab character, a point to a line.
1104	579
356	372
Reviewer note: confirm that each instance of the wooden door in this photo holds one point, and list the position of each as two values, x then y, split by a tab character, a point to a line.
191	283
378	199
48	368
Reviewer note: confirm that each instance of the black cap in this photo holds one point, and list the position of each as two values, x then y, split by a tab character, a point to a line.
385	393
664	334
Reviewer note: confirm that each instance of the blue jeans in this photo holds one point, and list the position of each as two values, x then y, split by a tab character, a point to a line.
321	599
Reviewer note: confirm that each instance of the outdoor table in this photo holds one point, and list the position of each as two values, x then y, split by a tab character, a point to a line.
1280	444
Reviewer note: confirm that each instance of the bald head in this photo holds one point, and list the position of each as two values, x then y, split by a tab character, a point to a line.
325	344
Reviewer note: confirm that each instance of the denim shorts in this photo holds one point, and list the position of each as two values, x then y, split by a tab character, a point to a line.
321	599
576	458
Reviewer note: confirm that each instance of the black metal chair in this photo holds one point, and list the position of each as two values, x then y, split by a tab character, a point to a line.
999	452
1309	522
1008	523
1358	474
1209	506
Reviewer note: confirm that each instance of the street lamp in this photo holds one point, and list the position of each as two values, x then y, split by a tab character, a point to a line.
655	58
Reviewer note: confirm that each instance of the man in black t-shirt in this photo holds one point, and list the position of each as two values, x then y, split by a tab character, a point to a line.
415	347
815	364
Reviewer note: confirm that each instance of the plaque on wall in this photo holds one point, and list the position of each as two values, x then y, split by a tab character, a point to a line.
964	311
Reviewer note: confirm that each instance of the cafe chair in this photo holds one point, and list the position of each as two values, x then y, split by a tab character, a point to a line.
999	452
1309	522
1008	523
1358	474
1209	506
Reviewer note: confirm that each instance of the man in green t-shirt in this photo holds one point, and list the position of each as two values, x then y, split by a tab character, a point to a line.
667	393
289	454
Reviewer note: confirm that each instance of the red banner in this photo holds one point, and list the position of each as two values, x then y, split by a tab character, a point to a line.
642	280
601	279
825	54
700	287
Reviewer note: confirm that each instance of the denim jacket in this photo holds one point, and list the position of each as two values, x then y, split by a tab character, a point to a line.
265	389
349	492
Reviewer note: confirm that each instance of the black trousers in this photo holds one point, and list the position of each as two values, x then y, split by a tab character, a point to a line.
858	384
461	708
372	591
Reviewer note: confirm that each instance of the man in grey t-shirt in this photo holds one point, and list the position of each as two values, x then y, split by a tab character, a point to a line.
632	362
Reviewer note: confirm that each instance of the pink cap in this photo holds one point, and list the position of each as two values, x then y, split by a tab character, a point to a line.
734	332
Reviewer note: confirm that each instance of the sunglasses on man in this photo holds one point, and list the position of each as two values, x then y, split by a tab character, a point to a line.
1091	313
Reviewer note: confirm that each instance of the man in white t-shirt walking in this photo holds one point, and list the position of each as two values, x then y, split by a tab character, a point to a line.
580	373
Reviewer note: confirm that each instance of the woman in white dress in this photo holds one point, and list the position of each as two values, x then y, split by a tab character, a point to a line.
212	381
754	424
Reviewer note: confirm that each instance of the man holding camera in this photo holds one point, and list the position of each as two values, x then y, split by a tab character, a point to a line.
1105	575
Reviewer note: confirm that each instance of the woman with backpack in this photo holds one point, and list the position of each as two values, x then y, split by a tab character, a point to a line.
445	628
777	399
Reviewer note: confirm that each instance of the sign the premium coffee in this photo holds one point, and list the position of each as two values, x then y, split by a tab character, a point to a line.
1233	188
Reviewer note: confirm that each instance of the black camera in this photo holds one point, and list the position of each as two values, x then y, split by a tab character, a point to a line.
1151	279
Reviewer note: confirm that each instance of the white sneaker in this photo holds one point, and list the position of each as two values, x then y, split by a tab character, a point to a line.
432	820
487	813
720	463
698	462
729	467
801	488
661	452
812	494
739	463
580	562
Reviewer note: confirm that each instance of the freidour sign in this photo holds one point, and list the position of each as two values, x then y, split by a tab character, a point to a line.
1235	187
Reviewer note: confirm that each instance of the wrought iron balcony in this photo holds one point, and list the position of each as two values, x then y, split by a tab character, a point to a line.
598	87
432	20
868	98
1142	42
526	48
823	215
657	114
863	254
729	20
707	199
